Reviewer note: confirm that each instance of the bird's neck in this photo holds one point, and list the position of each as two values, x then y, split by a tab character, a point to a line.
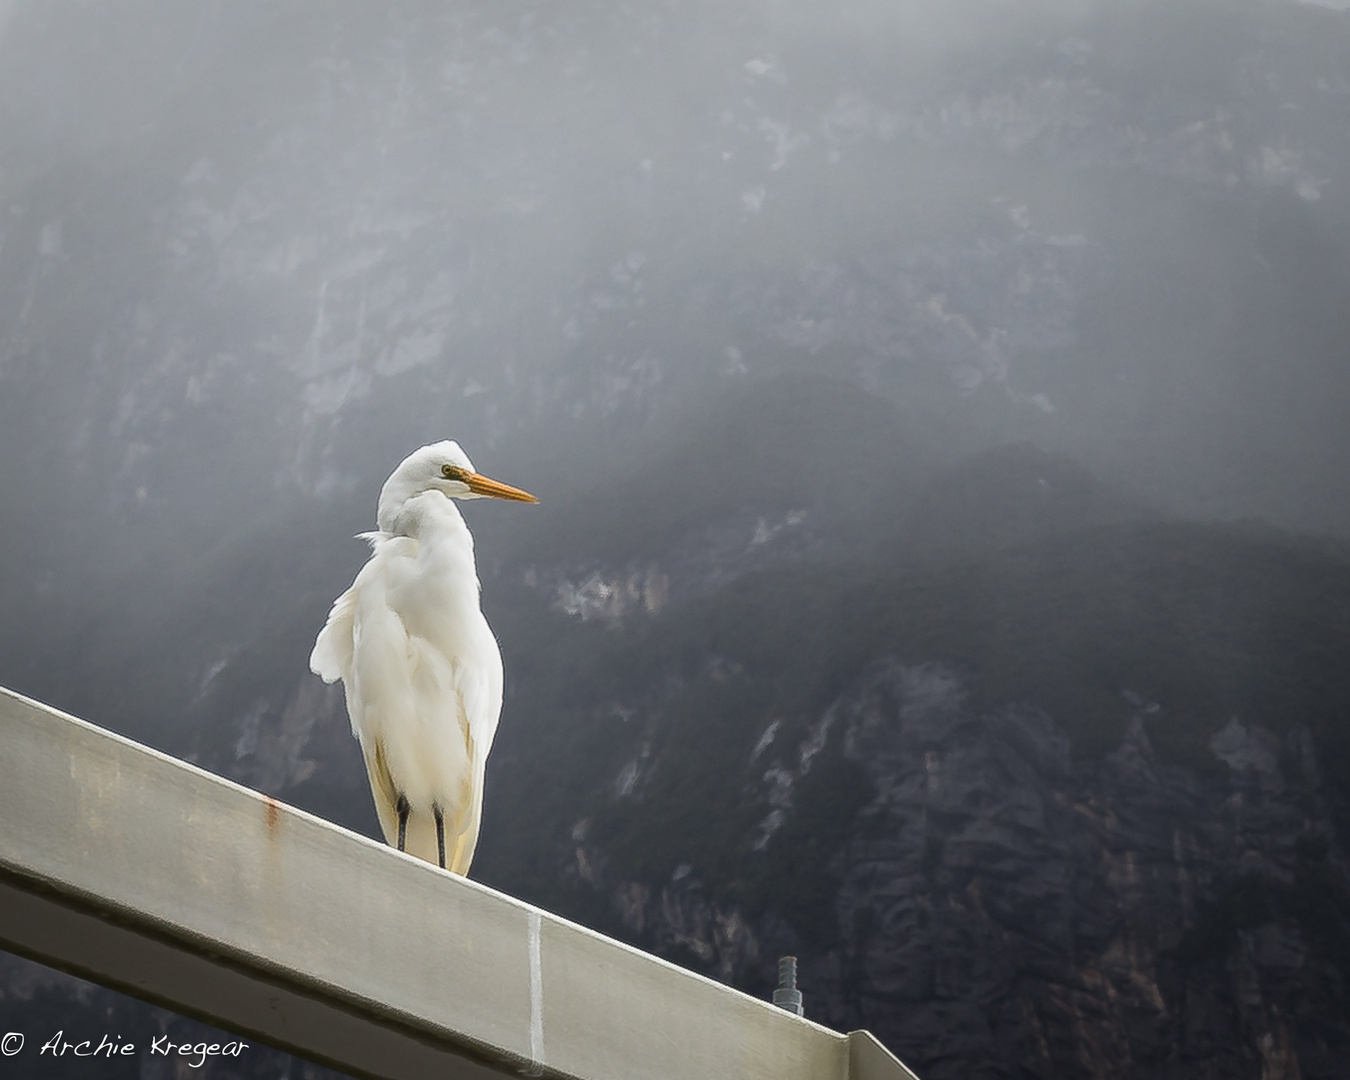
436	524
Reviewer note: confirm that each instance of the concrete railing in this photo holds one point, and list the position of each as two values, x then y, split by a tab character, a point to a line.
130	868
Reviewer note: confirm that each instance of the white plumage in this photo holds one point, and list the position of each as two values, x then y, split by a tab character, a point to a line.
420	666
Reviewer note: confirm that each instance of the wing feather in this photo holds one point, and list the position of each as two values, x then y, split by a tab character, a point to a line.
479	686
383	790
331	658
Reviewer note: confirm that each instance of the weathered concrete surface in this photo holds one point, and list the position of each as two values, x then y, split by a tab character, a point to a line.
126	866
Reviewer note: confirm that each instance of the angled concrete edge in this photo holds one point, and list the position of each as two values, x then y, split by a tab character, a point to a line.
869	1060
136	870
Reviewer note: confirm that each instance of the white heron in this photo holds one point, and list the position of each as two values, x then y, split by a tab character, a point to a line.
421	669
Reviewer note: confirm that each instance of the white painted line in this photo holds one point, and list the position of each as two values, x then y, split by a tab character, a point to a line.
536	999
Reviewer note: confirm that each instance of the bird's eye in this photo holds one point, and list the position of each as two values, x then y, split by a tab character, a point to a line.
452	472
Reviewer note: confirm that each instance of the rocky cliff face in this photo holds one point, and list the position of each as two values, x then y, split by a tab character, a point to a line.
1062	224
1002	910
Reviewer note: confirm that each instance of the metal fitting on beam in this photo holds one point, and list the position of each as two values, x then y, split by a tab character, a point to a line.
787	996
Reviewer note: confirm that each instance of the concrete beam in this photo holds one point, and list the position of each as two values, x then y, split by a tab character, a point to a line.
130	868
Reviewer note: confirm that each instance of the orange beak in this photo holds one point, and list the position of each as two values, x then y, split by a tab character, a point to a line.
482	485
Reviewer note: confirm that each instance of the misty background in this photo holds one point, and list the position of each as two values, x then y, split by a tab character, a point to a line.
940	415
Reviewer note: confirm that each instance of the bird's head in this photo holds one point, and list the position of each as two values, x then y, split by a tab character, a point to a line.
442	467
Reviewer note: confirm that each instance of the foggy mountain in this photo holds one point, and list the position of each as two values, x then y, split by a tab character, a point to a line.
940	416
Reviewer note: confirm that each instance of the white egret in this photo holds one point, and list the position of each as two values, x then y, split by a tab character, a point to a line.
421	669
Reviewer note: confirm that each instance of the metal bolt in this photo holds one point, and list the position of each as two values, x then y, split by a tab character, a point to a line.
787	996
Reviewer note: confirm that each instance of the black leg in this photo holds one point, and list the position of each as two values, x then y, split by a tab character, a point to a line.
403	810
440	834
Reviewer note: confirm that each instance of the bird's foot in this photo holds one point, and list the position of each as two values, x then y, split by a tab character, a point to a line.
440	833
403	811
